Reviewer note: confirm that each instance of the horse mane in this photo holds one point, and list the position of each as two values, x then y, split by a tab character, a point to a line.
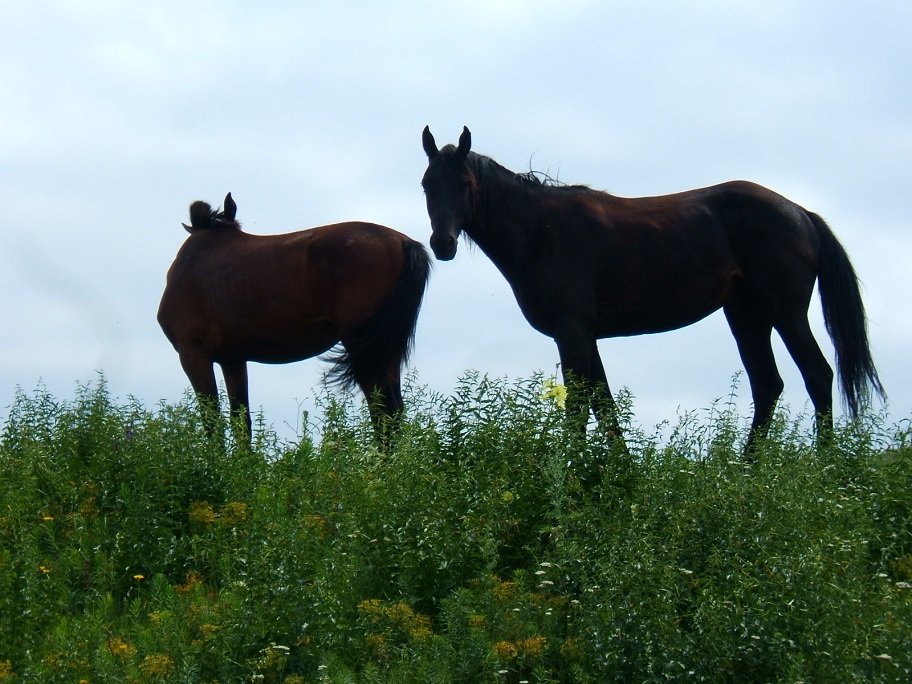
204	217
499	188
537	182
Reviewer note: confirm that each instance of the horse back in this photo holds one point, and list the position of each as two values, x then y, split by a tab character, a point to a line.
276	298
650	264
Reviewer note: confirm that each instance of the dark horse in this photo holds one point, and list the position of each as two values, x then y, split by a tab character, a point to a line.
232	297
586	265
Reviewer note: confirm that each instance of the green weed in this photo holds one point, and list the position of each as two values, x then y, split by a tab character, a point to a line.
495	543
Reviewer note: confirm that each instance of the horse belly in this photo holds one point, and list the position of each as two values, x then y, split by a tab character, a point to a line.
629	323
270	337
667	301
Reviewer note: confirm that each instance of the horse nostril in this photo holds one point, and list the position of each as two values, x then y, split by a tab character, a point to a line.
444	246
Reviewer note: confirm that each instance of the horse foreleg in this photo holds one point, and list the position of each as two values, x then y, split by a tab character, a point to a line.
237	386
587	384
201	374
575	360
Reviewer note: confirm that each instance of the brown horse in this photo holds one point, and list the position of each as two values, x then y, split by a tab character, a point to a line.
232	297
586	265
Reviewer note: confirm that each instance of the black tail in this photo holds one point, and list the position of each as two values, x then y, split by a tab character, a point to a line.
844	315
387	338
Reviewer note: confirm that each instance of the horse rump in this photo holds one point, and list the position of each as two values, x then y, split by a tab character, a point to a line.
384	342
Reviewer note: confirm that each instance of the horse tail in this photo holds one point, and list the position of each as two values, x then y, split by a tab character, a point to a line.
844	316
386	339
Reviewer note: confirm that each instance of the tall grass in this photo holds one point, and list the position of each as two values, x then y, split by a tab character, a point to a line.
492	545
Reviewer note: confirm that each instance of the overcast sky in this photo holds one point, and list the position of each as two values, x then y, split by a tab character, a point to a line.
114	116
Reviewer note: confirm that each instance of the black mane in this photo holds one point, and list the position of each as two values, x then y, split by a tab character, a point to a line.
204	217
500	189
487	169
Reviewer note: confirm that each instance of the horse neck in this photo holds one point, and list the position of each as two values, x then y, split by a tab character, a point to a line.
505	216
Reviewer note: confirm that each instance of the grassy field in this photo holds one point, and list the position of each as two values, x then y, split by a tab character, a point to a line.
492	545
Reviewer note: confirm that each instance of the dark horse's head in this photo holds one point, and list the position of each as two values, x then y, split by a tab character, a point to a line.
204	216
450	188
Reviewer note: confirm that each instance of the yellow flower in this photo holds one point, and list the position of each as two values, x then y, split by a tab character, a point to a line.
505	650
533	646
139	577
193	579
157	665
370	606
120	648
87	508
44	570
376	644
554	391
273	659
201	512
571	649
234	513
504	590
207	631
400	613
419	628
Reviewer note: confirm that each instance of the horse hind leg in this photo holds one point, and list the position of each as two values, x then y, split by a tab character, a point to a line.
386	398
814	368
379	379
385	404
752	334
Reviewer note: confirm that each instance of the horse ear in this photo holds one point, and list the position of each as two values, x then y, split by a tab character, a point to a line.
430	145
465	141
230	208
189	229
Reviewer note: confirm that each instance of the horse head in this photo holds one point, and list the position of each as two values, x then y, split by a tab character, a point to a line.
450	189
203	216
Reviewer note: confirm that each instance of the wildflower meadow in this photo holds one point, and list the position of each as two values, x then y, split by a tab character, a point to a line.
490	543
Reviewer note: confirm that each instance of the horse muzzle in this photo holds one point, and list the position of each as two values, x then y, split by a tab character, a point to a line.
444	246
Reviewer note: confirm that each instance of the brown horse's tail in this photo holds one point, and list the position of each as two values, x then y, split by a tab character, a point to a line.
386	339
844	316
